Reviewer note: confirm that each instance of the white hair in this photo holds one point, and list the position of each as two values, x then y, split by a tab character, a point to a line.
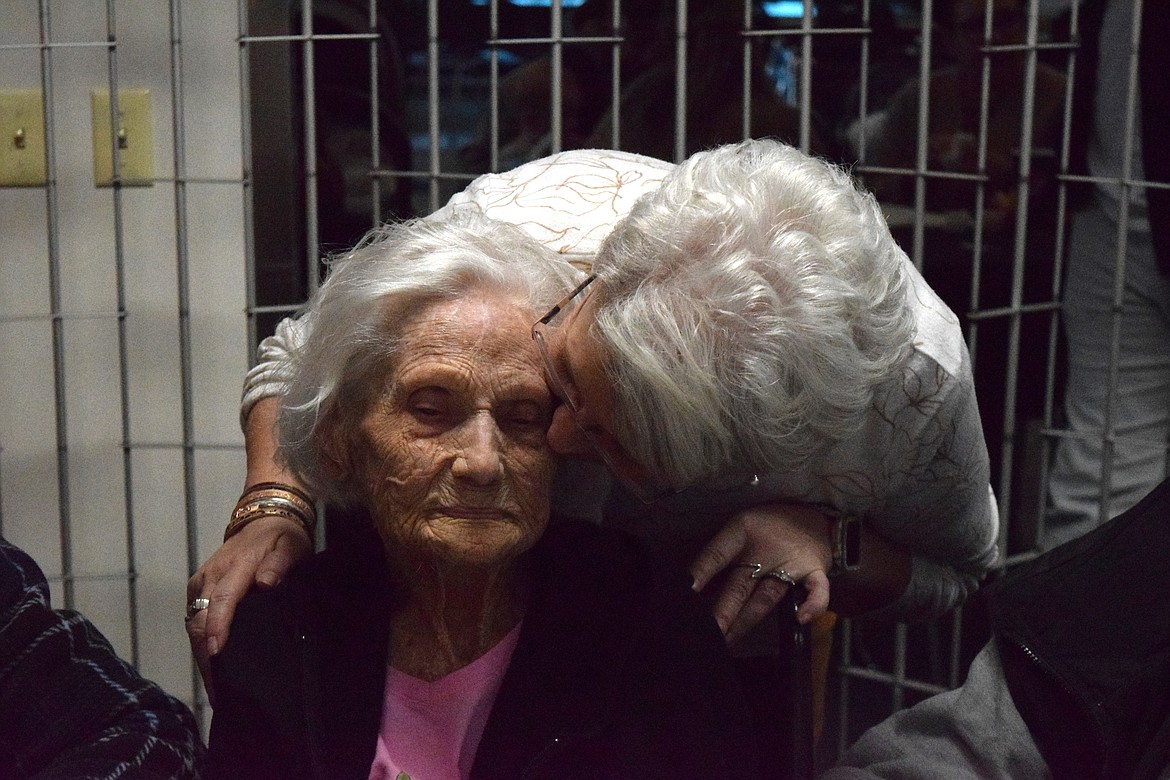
749	308
395	272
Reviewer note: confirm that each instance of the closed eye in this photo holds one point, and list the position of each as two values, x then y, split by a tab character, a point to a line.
430	405
526	414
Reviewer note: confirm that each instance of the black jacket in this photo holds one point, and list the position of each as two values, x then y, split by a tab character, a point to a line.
620	672
69	706
1084	635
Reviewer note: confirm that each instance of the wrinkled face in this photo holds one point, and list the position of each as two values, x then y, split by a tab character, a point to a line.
452	453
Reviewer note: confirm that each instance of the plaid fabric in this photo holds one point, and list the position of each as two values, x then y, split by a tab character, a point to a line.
69	707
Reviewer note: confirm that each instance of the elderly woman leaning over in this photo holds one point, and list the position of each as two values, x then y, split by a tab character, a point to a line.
462	636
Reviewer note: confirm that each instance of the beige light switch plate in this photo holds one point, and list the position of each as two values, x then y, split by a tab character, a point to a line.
22	138
135	144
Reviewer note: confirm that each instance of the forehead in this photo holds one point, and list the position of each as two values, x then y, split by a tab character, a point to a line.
478	334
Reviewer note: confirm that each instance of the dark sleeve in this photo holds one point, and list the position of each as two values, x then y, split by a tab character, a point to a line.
243	743
688	714
69	706
258	728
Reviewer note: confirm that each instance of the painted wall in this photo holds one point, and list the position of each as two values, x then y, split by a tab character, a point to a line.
77	232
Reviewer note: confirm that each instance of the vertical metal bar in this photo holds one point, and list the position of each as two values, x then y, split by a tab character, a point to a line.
615	97
1019	259
433	95
955	670
182	269
1058	256
746	114
248	204
53	218
375	117
680	81
246	182
845	636
898	689
1126	183
979	212
494	86
980	193
920	158
806	55
123	345
556	65
309	105
863	83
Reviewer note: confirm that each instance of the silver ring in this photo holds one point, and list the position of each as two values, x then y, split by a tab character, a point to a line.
757	569
779	574
759	573
196	606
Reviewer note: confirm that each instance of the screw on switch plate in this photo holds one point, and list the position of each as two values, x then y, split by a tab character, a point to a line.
132	133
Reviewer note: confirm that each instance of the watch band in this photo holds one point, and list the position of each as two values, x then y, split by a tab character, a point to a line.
846	544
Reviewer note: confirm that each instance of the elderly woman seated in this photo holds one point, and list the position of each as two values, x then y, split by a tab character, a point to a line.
464	636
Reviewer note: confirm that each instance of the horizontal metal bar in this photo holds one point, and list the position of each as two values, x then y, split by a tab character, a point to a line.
58	45
121	576
886	677
1102	436
567	39
441	175
1027	308
797	31
178	445
62	317
273	309
1119	180
301	38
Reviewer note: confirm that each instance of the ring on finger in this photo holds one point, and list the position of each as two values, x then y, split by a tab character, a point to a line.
757	569
779	574
758	572
197	606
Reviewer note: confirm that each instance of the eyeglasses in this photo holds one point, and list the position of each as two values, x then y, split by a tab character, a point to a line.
555	319
541	333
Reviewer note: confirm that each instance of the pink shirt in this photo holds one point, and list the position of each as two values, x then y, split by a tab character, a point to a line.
431	730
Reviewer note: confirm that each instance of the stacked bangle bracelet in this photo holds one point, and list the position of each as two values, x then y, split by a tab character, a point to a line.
272	499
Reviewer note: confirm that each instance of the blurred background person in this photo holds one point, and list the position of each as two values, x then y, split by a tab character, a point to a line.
1119	253
954	121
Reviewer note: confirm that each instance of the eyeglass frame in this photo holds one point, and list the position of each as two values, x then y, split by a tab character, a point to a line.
643	493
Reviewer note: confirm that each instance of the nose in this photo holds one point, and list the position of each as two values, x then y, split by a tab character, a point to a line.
479	459
565	436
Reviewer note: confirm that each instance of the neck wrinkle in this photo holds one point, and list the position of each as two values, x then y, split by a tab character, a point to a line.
452	616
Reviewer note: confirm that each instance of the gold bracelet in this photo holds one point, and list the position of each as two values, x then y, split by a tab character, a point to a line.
241	519
271	499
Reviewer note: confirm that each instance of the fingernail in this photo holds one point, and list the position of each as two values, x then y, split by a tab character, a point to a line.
695	585
268	580
213	646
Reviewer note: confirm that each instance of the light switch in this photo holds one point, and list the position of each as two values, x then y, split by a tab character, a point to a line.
135	145
22	138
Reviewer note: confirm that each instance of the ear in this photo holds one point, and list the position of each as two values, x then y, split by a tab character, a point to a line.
334	448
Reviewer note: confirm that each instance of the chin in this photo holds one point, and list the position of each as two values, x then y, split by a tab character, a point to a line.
479	543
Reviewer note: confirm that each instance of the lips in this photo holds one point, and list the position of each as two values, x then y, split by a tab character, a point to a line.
475	513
